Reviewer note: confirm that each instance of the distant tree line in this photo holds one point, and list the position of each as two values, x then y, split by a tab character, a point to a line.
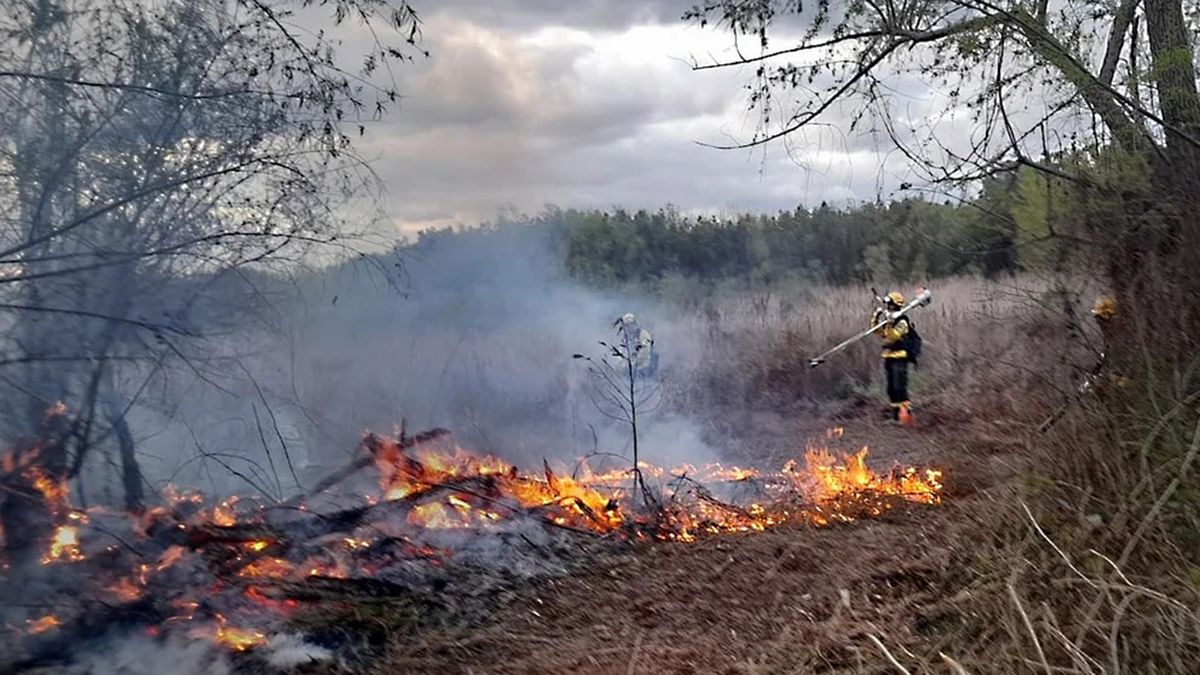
997	232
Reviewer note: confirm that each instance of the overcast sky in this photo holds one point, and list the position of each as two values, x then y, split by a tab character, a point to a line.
593	103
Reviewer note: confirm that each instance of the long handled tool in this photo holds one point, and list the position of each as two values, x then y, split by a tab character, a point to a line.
924	298
1089	385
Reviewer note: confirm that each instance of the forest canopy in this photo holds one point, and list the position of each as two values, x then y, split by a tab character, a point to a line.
1000	231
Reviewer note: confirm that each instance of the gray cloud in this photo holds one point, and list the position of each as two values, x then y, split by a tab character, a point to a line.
586	14
594	105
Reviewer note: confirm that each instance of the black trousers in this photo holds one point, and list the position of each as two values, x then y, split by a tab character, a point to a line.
897	380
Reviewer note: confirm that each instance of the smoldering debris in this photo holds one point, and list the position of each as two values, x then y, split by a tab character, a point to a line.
442	533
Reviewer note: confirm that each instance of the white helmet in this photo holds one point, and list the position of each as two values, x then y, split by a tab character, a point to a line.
627	319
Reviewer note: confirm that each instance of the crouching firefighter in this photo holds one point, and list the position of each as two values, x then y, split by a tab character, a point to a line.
901	346
1103	380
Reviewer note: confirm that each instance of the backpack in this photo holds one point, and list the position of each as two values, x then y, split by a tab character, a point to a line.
912	342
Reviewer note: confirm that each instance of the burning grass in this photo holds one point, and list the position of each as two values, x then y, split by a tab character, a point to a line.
232	571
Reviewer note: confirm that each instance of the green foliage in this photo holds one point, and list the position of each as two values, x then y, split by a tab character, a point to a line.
1040	202
663	251
906	241
1010	225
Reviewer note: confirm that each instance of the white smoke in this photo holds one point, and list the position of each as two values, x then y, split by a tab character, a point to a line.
141	655
287	651
479	340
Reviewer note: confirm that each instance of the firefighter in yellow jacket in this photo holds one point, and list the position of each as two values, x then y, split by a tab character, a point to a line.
895	334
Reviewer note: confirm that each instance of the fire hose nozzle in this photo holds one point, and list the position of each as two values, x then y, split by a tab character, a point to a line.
813	363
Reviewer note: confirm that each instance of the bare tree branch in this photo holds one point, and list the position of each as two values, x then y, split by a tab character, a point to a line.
1116	39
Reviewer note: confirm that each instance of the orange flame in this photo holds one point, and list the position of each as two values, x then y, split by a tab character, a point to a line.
46	623
453	490
333	571
187	609
273	568
54	492
224	515
238	639
830	488
64	546
169	557
356	544
125	590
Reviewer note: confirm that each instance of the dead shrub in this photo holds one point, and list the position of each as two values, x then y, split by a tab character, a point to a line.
1091	562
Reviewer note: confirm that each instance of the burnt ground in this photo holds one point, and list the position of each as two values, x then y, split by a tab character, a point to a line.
795	599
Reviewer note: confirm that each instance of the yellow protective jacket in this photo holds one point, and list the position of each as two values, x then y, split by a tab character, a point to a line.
893	334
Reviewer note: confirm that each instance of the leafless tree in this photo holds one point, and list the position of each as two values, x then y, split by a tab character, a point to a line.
155	158
621	388
986	56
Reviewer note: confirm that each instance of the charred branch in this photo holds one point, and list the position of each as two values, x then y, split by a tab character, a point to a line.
374	445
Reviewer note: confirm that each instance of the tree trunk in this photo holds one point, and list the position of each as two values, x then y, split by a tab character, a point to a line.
1175	78
131	474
